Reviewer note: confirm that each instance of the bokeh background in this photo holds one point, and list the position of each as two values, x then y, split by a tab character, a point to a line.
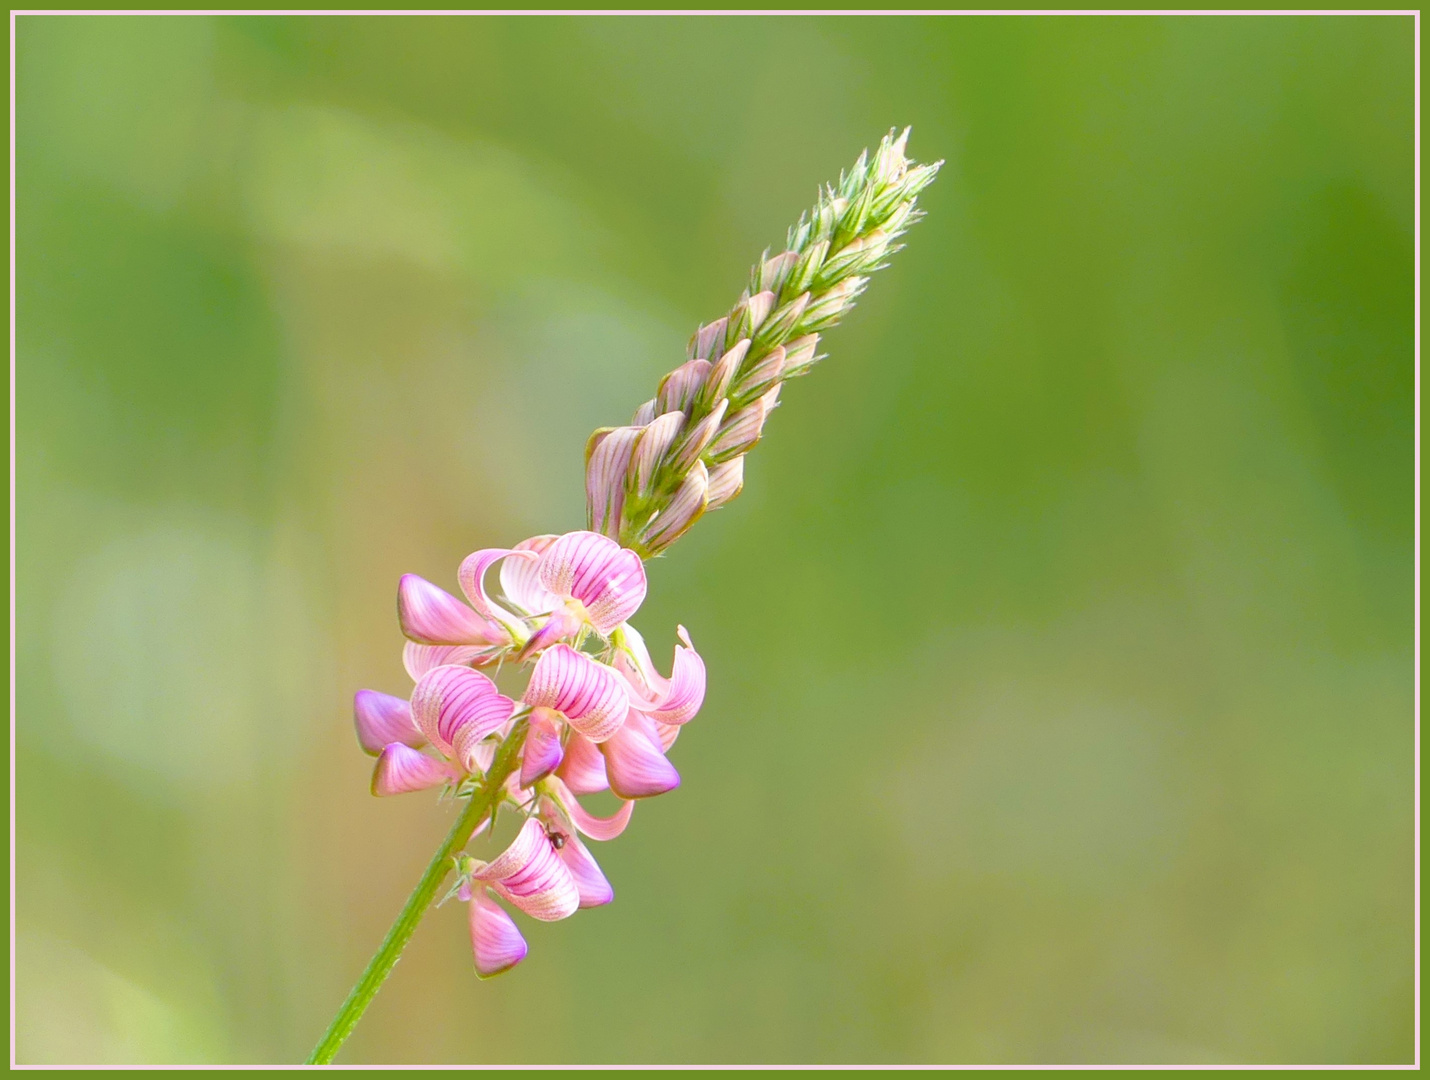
1061	643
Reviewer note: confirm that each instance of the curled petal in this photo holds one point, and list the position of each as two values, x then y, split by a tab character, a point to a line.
597	828
532	877
401	769
583	768
589	694
607	578
381	719
635	763
451	699
541	752
726	481
420	659
433	616
521	585
497	944
667	701
606	480
471	575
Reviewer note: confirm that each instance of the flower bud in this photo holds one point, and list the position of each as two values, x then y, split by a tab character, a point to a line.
743	429
799	356
771	274
685	507
748	315
650	449
644	415
782	323
717	383
808	267
760	377
606	479
678	389
688	450
827	310
726	480
859	256
708	340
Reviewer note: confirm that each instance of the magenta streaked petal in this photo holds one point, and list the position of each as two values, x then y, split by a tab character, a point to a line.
761	304
520	583
420	659
607	578
471	577
592	888
635	763
433	616
686	691
540	884
564	624
597	828
589	694
668	733
541	751
497	945
381	719
606	480
449	699
583	768
401	769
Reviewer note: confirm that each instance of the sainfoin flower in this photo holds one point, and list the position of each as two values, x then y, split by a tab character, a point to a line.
586	709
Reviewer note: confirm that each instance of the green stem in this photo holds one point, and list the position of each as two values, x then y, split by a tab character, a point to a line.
380	966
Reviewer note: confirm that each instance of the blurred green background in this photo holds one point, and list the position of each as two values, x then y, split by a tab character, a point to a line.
1061	644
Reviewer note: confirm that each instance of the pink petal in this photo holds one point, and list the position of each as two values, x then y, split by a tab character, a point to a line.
583	768
607	578
635	764
762	375
592	888
726	481
541	751
381	719
761	304
667	701
540	885
741	431
717	383
645	414
452	699
520	583
668	734
420	659
709	339
497	944
589	694
597	828
564	624
606	480
432	616
695	441
401	769
470	577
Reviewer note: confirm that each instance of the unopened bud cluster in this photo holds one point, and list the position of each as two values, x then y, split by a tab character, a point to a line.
683	452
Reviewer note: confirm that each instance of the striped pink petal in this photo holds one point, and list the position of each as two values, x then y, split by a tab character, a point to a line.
532	877
590	695
667	701
432	616
471	577
678	389
583	768
520	583
497	945
607	578
420	659
401	769
668	733
592	888
597	828
635	763
381	719
726	481
541	751
452	700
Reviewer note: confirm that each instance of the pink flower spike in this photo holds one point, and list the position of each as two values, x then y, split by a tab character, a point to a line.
541	751
531	876
591	696
401	769
583	769
420	659
381	719
520	583
597	828
497	945
607	578
452	701
432	616
635	764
